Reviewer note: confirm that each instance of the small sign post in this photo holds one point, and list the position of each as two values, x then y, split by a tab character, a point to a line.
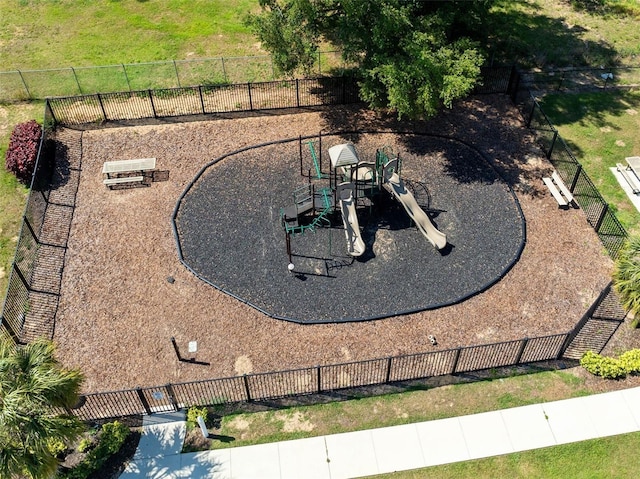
203	427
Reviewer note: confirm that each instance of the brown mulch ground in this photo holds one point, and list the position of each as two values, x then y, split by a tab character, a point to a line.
118	312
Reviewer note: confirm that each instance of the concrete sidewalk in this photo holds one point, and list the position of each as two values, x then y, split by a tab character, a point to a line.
396	448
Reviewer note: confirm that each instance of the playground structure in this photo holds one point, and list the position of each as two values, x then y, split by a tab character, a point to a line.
349	180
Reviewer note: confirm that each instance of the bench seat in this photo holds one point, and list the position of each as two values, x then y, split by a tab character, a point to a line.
555	191
123	180
559	190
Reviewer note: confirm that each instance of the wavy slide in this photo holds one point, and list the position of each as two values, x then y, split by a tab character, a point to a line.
355	244
394	185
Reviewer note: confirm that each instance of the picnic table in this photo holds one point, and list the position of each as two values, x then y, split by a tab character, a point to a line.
126	171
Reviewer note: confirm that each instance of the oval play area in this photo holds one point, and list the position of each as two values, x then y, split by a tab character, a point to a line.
350	227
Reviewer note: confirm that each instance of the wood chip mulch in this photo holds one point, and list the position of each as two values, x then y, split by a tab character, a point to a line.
125	294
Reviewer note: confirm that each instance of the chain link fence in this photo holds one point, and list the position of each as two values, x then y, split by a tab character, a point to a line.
596	209
39	84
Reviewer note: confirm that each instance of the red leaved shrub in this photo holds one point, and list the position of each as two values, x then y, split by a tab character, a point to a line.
23	150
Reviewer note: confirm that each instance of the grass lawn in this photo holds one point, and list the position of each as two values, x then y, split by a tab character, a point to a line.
610	457
13	195
404	408
64	33
606	457
601	128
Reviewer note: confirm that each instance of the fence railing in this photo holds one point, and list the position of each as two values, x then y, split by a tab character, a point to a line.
204	100
318	379
71	81
598	212
34	284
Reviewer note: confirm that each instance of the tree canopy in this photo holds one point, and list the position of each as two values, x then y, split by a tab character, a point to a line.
32	385
413	56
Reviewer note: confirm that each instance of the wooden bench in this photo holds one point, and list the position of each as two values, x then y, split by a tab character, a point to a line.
629	177
559	190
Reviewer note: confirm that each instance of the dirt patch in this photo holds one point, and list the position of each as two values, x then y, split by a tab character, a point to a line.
293	422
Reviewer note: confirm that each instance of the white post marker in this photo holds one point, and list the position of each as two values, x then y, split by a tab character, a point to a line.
290	267
203	427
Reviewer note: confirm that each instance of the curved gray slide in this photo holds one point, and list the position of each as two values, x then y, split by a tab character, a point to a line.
394	185
355	244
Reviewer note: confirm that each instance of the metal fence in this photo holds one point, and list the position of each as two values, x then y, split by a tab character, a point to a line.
318	379
204	100
34	284
39	84
598	212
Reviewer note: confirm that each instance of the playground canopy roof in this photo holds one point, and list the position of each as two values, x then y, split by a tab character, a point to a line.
343	155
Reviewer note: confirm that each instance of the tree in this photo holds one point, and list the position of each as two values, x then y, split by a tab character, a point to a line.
32	386
413	56
626	275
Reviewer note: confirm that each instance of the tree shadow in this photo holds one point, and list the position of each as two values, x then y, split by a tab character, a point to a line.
531	39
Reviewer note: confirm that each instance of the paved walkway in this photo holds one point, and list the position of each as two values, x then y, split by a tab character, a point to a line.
377	451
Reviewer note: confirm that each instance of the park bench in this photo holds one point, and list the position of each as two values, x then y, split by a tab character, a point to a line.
558	189
122	172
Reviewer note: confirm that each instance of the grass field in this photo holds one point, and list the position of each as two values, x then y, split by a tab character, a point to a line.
405	408
609	457
40	34
601	128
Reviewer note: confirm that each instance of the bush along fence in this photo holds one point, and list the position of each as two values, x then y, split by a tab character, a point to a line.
588	335
34	284
599	214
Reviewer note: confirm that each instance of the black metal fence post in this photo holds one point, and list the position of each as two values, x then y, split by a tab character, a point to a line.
455	360
172	397
574	182
246	388
204	111
250	99
319	378
143	400
297	93
104	113
153	107
388	376
523	346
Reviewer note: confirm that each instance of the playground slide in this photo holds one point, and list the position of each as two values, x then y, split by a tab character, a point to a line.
355	244
394	185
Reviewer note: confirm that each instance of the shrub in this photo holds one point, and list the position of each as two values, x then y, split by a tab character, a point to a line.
194	412
631	361
606	367
23	150
110	440
56	447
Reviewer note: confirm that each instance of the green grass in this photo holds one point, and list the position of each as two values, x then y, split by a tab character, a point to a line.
405	408
13	195
607	457
610	457
601	129
37	34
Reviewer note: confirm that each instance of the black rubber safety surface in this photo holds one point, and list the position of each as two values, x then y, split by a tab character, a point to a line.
229	233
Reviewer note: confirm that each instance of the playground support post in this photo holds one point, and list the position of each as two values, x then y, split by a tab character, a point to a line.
288	243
